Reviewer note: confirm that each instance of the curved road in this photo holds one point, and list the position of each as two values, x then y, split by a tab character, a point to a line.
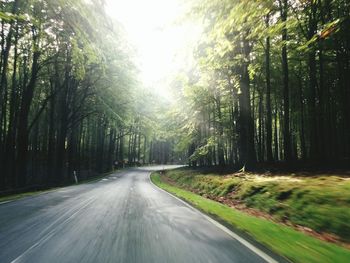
121	218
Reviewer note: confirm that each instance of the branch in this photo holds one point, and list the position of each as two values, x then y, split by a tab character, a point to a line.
43	106
82	117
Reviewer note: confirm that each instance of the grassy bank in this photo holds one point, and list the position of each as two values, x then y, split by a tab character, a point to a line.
314	202
284	240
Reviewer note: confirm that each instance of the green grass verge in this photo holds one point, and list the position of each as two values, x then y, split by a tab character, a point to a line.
284	240
319	201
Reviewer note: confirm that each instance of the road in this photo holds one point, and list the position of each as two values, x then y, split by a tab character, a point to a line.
121	218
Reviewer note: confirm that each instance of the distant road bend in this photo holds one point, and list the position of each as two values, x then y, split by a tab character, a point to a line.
121	218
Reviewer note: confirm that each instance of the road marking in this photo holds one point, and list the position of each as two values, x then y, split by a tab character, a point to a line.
52	232
235	236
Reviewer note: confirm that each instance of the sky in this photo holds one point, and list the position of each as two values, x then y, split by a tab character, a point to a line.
163	44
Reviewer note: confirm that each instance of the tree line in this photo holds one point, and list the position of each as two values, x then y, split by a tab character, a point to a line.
270	83
70	100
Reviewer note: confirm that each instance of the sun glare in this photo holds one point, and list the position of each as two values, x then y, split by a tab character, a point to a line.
164	45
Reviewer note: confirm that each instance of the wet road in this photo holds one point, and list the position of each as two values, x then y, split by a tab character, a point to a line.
121	218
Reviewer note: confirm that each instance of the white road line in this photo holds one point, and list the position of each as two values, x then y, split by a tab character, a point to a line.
241	240
52	232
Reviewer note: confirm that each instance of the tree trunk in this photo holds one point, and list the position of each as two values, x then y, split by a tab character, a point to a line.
268	99
286	129
247	149
314	151
23	132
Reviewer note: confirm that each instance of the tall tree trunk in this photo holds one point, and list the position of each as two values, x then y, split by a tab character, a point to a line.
121	150
151	152
302	124
221	157
139	148
314	151
246	134
285	70
51	137
111	148
144	150
276	148
23	132
3	78
268	98
260	129
10	153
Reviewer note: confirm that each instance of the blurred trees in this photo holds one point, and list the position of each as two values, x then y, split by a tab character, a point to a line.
67	93
271	83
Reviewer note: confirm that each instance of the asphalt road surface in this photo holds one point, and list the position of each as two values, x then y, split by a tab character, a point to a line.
121	218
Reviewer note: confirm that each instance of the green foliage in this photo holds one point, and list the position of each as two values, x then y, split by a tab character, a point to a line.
284	240
217	94
320	202
69	71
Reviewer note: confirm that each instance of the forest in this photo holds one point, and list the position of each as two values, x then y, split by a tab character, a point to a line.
269	85
70	100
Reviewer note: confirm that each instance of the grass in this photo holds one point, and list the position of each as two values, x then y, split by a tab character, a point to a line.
319	202
284	240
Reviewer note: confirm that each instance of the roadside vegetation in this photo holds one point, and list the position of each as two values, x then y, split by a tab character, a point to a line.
296	211
318	203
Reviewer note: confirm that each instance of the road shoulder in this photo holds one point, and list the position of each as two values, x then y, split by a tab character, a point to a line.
283	240
230	230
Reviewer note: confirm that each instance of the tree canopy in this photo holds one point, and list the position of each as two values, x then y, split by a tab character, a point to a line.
270	83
